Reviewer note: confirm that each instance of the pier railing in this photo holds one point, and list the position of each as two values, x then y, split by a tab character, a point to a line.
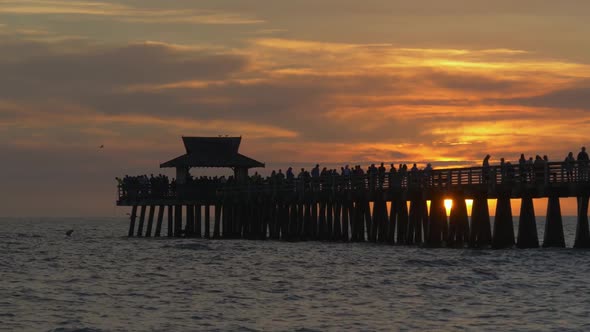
538	174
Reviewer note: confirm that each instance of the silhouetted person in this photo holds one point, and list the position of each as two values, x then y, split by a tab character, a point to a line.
522	168
503	169
290	175
372	172
509	172
569	163
381	172
583	164
393	178
428	174
539	169
485	171
315	172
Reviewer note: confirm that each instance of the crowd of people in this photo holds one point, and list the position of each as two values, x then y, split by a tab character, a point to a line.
143	185
348	177
373	177
534	169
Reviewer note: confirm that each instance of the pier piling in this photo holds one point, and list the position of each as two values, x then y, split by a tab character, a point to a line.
148	231
503	236
481	231
141	221
582	231
132	220
159	221
170	221
554	224
527	225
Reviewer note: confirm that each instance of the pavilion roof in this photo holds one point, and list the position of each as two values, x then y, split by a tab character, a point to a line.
212	152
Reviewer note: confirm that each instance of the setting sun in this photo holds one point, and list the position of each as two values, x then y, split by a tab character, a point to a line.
448	205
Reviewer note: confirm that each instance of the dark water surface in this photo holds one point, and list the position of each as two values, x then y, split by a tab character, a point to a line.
98	280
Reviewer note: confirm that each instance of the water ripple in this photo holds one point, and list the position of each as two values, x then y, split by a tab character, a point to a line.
98	280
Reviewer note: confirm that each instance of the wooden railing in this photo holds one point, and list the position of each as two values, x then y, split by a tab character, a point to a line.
553	173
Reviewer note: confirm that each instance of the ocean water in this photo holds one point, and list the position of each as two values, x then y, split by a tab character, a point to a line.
99	280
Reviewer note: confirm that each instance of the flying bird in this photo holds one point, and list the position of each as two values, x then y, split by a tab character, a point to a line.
101	147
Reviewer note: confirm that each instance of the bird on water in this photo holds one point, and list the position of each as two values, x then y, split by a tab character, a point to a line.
69	233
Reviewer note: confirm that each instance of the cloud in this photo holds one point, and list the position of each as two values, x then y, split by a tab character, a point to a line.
119	12
295	99
574	97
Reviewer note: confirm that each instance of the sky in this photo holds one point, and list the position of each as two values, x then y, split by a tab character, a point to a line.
329	81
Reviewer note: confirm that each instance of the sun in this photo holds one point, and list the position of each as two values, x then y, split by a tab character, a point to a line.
448	205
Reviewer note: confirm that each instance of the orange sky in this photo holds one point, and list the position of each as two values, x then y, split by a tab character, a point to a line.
303	82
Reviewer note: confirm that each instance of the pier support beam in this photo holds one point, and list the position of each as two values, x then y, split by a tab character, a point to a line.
345	226
481	231
141	221
159	221
402	222
415	222
424	221
170	221
337	221
436	222
503	224
330	220
148	231
207	221
322	221
392	222
189	228
582	231
554	225
217	228
459	223
380	218
527	225
198	221
132	221
178	220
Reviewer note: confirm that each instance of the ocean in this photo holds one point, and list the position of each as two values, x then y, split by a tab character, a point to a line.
100	280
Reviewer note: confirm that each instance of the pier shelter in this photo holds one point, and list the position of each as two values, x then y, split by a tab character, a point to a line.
212	152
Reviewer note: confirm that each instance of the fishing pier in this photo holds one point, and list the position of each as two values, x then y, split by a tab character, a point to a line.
390	208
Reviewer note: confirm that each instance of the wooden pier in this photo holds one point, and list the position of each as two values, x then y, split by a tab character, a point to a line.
391	208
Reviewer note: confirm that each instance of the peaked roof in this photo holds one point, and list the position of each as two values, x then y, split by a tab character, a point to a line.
212	152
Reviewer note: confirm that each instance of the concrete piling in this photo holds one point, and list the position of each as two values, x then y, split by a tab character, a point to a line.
481	231
582	232
159	221
503	236
207	221
141	221
527	225
178	221
402	222
132	218
148	231
189	229
170	221
554	224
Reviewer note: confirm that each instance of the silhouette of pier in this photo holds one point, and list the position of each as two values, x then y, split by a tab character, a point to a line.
393	208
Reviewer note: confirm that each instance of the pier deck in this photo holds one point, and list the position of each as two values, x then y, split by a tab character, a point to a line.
372	207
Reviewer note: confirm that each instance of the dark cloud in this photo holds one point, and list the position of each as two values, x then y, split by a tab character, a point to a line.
469	82
100	70
572	97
